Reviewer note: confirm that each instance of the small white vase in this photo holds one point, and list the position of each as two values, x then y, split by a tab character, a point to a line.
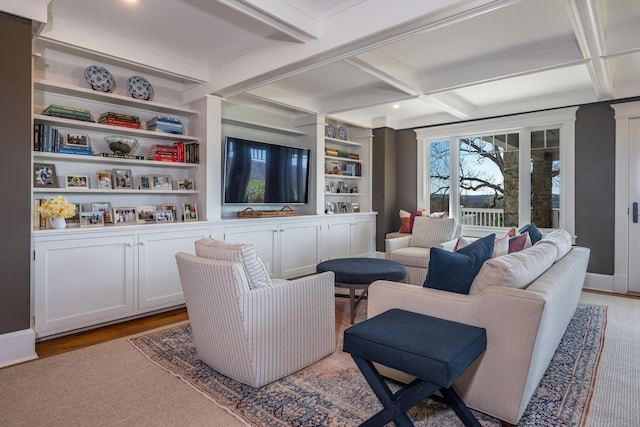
58	222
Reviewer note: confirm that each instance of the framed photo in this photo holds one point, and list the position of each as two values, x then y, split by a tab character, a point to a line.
75	219
125	216
145	214
91	219
355	207
122	179
342	187
76	181
342	207
185	184
105	208
104	181
77	140
160	182
44	175
164	216
145	182
190	211
171	207
328	188
330	208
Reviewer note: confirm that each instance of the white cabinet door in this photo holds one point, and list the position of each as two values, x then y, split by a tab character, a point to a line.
339	239
363	238
299	249
264	237
83	281
158	280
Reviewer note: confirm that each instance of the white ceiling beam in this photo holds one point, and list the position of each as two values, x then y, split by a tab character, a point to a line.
451	103
586	19
280	16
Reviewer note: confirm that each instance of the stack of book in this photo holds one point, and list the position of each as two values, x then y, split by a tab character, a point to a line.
117	119
163	153
56	110
48	139
166	125
188	152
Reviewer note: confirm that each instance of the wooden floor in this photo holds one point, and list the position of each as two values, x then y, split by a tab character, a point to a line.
107	333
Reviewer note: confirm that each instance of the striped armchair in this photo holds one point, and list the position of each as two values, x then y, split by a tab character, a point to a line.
261	334
413	251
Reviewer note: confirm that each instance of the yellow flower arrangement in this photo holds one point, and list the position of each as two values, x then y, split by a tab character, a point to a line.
57	208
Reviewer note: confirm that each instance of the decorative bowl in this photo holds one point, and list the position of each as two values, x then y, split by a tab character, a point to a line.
343	134
139	87
330	130
99	78
121	144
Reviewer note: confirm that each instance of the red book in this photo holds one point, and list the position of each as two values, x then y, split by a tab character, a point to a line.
113	122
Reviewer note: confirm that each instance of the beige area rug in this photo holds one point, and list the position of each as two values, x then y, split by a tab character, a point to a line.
332	392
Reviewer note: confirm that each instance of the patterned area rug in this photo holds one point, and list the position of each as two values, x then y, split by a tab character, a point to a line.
332	392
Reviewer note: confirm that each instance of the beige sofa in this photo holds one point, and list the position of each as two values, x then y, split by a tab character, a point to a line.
525	318
413	250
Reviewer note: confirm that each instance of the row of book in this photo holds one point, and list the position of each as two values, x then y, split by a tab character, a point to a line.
50	140
179	152
61	111
118	119
166	125
342	154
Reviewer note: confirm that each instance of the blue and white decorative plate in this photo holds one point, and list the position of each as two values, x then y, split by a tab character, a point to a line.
343	134
139	87
330	130
99	78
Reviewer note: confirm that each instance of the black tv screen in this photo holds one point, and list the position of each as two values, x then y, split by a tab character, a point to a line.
262	173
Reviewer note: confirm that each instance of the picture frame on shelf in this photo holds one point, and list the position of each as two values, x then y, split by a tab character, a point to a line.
330	208
164	216
122	179
190	210
185	184
342	187
76	181
126	215
342	207
328	188
171	207
44	175
105	208
77	140
145	214
91	219
144	182
355	207
104	181
161	182
354	189
75	219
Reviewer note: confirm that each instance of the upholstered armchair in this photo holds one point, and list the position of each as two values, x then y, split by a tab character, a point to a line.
413	251
255	332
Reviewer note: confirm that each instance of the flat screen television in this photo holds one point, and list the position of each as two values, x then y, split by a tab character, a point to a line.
262	173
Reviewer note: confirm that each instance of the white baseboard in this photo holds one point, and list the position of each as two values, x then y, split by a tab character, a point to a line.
600	282
17	347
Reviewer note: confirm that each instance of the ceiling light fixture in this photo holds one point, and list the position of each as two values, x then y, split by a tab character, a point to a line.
396	106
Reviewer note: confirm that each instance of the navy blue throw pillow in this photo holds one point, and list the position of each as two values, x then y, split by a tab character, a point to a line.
455	271
534	233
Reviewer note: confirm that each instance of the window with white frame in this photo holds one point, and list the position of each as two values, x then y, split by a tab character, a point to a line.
501	172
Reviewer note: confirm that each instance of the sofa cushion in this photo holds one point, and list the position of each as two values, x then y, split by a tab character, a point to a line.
428	232
244	253
412	256
520	242
501	246
533	231
561	239
455	271
515	270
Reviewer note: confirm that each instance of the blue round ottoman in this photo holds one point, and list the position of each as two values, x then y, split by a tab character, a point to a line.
359	273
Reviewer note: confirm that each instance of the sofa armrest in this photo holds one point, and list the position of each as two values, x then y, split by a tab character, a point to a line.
391	245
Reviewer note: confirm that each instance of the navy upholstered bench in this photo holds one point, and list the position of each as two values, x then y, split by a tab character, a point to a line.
435	351
359	273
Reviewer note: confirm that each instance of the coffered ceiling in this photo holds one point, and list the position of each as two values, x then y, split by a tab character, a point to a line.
435	61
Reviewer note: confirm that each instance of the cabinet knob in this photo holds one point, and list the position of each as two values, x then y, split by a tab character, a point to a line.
129	245
143	243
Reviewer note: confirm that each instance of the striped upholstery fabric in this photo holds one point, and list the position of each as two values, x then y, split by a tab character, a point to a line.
244	253
429	232
261	335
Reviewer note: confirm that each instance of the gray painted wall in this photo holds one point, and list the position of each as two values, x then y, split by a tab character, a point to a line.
384	182
15	172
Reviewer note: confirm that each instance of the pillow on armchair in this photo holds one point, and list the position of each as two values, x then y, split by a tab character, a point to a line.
429	232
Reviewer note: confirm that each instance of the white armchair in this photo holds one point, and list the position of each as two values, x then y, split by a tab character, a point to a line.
258	335
413	251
